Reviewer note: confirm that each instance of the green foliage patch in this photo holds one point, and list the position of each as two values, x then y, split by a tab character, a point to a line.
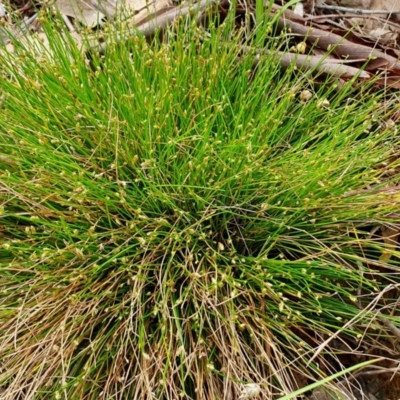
175	221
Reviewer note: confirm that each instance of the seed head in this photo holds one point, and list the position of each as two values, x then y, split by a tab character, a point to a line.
249	391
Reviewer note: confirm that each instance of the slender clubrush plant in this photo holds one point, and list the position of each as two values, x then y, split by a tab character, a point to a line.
175	222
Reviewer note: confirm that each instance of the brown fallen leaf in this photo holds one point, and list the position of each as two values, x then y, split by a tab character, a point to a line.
160	21
371	19
87	12
389	81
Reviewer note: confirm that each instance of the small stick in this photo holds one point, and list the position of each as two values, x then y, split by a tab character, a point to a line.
325	16
319	63
357	11
376	372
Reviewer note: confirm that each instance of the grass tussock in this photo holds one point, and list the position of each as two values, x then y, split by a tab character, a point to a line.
174	222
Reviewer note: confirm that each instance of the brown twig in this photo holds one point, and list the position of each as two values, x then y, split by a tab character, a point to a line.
381	20
319	64
357	11
377	371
